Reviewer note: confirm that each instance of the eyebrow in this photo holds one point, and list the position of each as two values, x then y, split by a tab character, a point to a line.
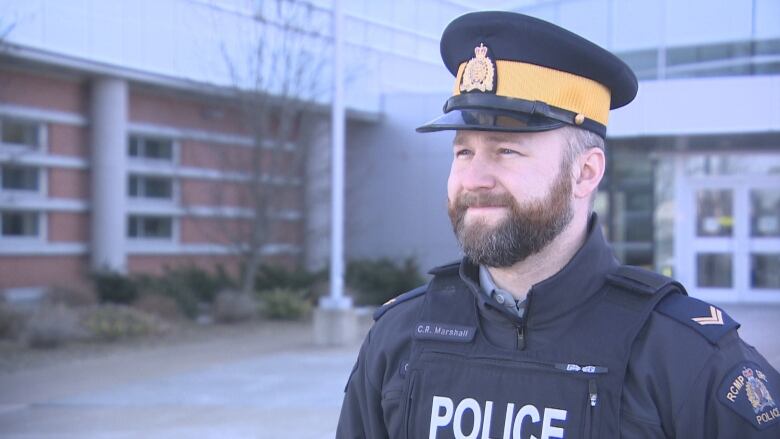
492	137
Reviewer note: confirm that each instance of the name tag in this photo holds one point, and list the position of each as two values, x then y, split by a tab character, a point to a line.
444	332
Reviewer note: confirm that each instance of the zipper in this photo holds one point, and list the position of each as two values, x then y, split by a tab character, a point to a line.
569	368
521	336
408	408
590	410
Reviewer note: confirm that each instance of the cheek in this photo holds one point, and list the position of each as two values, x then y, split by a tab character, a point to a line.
453	185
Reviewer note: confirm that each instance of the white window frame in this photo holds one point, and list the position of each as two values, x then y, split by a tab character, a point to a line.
175	147
43	134
41	237
43	181
171	239
174	198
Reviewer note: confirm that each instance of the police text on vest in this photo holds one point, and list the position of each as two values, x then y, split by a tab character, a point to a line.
446	416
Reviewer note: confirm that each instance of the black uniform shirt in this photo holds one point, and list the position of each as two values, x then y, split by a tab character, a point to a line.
680	382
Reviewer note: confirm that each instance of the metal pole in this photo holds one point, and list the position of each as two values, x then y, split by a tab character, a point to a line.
337	300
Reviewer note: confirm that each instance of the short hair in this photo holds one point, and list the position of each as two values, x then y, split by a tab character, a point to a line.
580	140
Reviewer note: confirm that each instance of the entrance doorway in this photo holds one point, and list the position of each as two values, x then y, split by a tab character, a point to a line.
728	232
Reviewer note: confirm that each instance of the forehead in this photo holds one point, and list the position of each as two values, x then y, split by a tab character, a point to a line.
552	140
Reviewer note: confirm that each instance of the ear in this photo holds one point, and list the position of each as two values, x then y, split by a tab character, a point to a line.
588	172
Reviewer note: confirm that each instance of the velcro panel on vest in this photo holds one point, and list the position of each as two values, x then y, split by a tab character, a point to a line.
704	318
419	291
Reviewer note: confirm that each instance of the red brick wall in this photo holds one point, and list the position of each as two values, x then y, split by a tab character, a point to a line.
36	90
155	265
68	140
68	227
165	109
68	183
197	192
35	271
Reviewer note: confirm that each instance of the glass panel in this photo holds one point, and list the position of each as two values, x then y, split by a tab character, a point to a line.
20	223
714	216
158	187
132	227
733	164
158	149
157	227
133	186
22	178
713	270
765	270
765	212
20	133
132	147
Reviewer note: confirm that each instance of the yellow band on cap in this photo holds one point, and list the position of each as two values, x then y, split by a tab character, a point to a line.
553	87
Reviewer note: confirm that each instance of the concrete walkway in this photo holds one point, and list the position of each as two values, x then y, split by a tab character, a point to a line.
266	382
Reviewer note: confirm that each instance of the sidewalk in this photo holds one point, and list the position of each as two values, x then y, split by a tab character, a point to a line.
268	381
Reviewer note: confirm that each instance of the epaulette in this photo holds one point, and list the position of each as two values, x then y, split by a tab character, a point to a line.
704	318
640	280
419	291
445	268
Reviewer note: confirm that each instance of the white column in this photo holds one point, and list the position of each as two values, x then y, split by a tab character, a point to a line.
108	141
337	299
335	321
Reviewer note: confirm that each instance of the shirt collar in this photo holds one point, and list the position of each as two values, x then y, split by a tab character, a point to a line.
502	296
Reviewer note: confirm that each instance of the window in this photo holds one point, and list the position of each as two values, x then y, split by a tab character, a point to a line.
150	148
19	133
140	186
19	224
19	178
149	227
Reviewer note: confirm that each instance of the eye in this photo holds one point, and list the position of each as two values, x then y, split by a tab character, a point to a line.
463	152
507	151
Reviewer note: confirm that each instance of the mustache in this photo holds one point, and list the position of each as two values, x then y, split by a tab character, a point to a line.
465	200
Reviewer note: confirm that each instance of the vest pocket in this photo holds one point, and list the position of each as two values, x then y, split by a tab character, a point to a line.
408	404
455	395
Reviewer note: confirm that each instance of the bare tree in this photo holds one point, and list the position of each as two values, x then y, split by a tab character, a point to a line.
280	82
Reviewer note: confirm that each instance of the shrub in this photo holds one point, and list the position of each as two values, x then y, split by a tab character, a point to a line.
113	287
377	281
169	289
270	277
202	284
11	321
74	297
233	306
285	303
52	325
111	322
158	305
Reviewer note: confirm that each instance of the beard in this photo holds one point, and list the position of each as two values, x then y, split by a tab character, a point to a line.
525	231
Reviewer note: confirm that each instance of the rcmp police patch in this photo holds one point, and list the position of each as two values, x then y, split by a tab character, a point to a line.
747	391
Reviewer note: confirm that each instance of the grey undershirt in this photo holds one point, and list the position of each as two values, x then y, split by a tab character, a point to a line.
501	296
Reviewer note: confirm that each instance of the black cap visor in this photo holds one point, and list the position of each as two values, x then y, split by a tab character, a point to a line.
488	112
490	120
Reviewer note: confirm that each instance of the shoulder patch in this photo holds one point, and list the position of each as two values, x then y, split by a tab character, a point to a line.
419	291
708	320
748	391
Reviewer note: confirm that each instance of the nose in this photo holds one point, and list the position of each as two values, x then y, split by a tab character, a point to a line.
477	175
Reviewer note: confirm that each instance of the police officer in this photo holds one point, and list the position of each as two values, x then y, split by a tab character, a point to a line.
538	332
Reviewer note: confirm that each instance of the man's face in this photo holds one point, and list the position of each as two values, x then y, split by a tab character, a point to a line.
509	194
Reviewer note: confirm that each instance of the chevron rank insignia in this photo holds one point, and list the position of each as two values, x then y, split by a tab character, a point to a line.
708	320
715	317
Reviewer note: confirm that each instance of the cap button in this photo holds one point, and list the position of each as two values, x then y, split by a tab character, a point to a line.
579	119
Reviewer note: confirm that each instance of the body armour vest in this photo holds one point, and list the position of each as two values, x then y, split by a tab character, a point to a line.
459	385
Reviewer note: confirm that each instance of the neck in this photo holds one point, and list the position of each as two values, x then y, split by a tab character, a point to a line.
520	277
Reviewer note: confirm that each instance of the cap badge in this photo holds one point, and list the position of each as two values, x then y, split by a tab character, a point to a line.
479	71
